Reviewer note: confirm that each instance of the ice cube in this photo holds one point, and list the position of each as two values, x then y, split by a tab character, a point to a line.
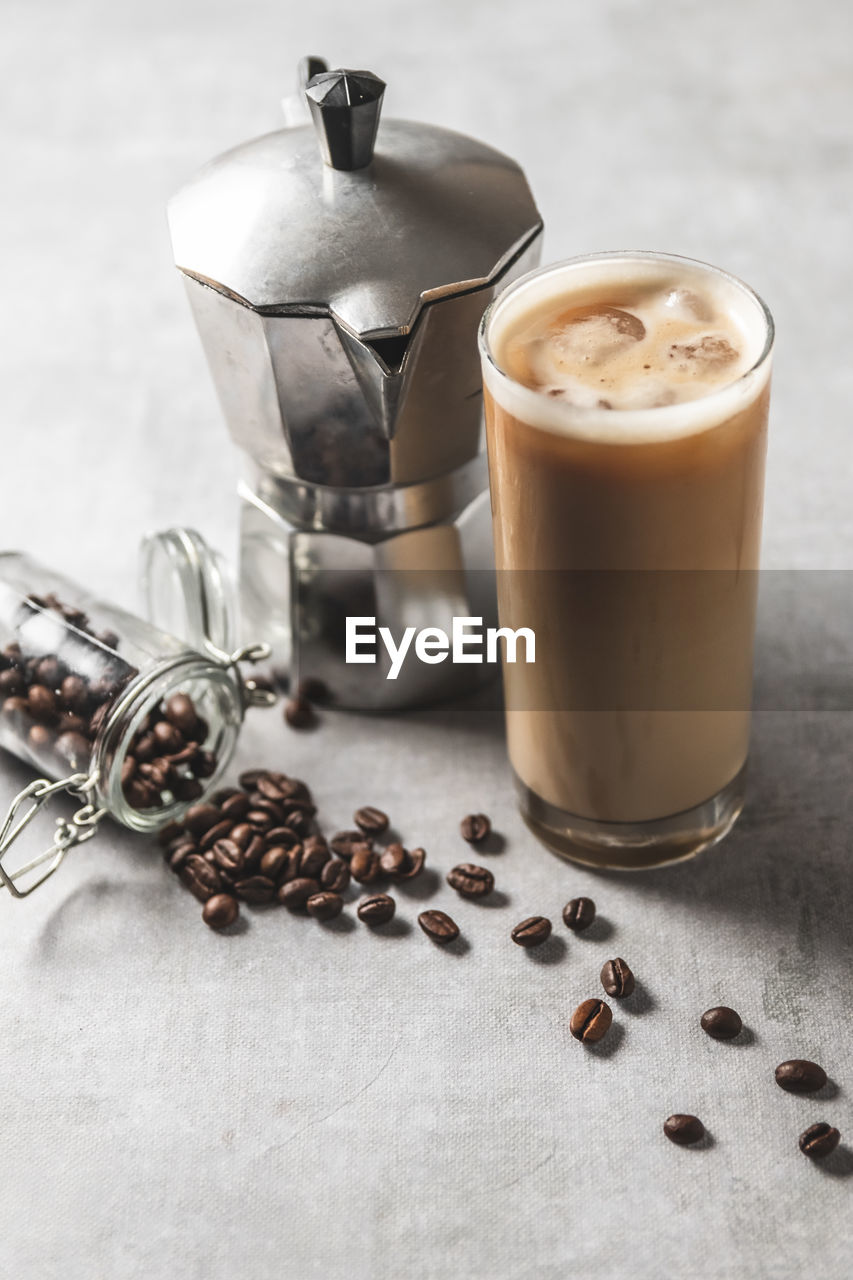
592	335
705	355
687	305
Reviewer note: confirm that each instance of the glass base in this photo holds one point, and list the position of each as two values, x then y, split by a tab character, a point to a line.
632	846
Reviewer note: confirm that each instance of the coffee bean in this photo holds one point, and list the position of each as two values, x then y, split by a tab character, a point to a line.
201	817
140	794
40	738
284	836
364	865
393	860
169	739
819	1140
325	905
249	778
438	926
15	710
684	1130
187	789
242	834
471	881
219	831
299	820
376	908
74	694
200	877
371	821
220	911
255	890
344	842
617	979
260	804
75	749
800	1076
299	713
179	855
579	914
50	671
205	764
171	831
200	731
532	932
259	819
128	770
276	862
228	856
12	683
235	806
41	703
475	827
180	711
313	860
295	893
335	875
591	1021
721	1023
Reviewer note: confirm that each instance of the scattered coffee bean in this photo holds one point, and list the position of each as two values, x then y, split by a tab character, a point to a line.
220	911
200	877
591	1021
344	842
800	1076
219	831
438	926
314	858
393	860
255	890
364	865
371	821
475	827
277	862
471	881
532	932
228	857
376	908
299	713
235	806
721	1023
683	1130
179	710
414	865
295	893
617	978
325	905
335	875
201	817
579	914
819	1140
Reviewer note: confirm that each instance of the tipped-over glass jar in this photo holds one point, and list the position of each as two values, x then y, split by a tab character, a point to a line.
115	709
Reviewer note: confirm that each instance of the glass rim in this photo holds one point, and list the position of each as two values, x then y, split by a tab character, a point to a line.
579	414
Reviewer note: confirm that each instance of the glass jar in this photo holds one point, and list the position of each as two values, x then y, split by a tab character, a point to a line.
138	718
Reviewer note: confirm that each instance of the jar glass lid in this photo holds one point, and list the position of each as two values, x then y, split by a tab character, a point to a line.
188	591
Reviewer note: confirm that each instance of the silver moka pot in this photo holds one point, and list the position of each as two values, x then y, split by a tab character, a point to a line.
338	271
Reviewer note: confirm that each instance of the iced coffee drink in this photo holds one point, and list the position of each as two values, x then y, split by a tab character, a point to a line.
626	411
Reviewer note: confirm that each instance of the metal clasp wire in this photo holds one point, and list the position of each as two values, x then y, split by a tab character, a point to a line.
81	826
252	697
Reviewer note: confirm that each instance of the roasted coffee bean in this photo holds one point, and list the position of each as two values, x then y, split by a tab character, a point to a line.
471	881
591	1021
414	865
300	821
254	851
169	739
219	831
284	836
158	773
98	721
235	806
179	855
41	704
40	738
180	711
146	748
249	778
393	860
228	856
684	1130
259	820
187	789
205	764
721	1023
255	890
344	842
314	859
276	863
335	875
74	748
271	788
579	914
15	710
438	926
242	834
295	893
12	683
128	770
819	1140
617	978
325	905
532	932
74	694
200	877
259	803
376	908
201	817
70	723
371	821
140	794
220	911
299	713
475	827
50	671
364	865
294	789
200	731
171	831
800	1076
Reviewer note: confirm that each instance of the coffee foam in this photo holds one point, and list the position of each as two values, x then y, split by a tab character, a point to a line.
692	368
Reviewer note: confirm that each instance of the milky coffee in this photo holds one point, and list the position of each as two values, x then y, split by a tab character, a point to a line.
626	409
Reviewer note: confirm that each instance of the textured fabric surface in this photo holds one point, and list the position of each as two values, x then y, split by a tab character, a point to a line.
303	1101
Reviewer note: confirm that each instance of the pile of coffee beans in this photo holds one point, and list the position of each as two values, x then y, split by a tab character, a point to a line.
166	759
47	700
